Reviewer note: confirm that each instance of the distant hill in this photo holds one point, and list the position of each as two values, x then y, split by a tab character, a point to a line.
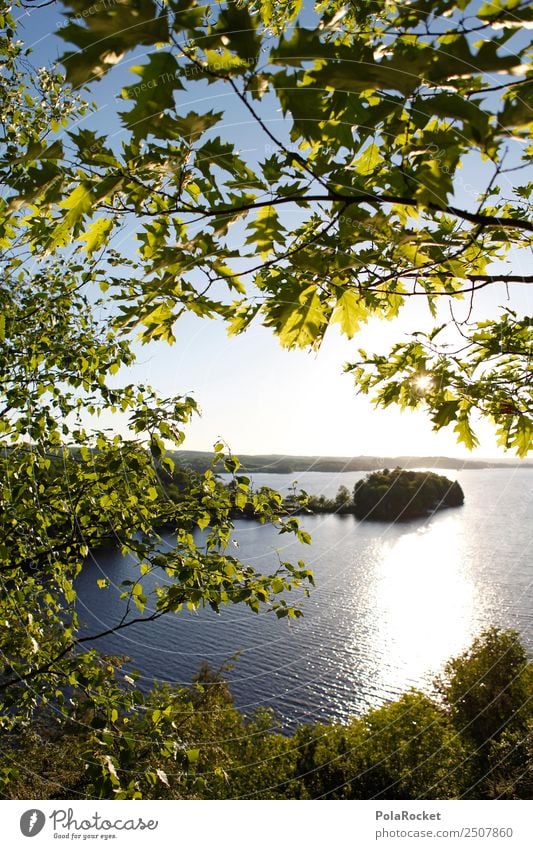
283	464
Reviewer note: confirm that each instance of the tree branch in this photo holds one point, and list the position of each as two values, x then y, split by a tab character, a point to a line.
349	200
484	278
4	685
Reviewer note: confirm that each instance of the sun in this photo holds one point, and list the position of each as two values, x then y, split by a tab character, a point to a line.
423	383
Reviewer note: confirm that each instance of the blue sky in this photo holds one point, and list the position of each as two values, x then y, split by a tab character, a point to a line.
253	394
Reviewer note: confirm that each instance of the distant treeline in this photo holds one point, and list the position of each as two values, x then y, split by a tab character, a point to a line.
281	464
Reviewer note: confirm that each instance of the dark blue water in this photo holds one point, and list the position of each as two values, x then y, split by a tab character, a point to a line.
391	605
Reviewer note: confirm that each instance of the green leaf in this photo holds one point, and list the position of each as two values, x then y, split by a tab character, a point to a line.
92	148
97	235
191	126
368	161
240	500
193	756
157	446
236	28
445	413
154	94
299	318
258	85
523	436
231	464
223	63
240	318
464	432
277	585
266	230
203	520
77	205
107	33
349	312
435	183
303	45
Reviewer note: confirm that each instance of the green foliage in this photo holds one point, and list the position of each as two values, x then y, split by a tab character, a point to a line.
369	163
510	766
405	750
349	213
83	454
107	33
341	504
487	692
451	385
487	687
193	743
387	496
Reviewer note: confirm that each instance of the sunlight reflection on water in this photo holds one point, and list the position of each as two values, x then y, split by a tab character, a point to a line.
425	596
391	605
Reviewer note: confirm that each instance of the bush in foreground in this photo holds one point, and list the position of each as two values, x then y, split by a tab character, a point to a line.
471	739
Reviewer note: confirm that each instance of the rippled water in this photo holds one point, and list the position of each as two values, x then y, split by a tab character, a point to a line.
391	605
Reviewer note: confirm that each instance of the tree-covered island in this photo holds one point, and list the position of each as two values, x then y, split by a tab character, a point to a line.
392	495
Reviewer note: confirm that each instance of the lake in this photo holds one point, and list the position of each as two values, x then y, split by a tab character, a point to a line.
392	603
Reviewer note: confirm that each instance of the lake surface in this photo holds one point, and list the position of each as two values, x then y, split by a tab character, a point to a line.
392	602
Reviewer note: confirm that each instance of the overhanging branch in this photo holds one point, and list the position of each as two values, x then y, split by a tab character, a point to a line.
337	197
